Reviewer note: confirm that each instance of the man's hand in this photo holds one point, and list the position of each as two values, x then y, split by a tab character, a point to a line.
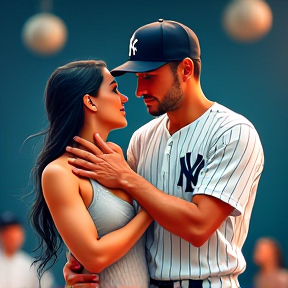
104	162
74	279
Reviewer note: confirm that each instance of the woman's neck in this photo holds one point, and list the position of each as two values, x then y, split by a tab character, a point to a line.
269	267
88	131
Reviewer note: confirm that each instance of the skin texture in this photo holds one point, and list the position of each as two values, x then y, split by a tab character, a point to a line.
184	102
68	195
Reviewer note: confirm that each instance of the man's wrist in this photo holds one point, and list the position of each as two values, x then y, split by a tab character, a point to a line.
128	180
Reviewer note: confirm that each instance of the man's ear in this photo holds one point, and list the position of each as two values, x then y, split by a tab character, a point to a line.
88	102
188	68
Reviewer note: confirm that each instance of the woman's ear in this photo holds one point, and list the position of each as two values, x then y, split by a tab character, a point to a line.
88	102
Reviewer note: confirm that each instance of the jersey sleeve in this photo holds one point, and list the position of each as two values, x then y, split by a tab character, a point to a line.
131	160
132	153
233	167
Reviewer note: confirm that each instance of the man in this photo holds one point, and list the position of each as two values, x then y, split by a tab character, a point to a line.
195	167
15	264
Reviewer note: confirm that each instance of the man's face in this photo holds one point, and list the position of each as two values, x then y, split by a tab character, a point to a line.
160	89
11	238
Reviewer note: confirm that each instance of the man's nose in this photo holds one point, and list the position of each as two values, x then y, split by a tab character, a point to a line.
141	88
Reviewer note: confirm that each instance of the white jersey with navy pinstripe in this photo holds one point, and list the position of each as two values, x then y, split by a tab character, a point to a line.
219	154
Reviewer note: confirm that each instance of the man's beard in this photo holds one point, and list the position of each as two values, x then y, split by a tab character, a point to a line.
171	100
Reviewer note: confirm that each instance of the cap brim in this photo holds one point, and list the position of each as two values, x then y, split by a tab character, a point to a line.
136	67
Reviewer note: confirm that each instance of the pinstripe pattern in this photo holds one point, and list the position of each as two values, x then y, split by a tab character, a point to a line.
234	159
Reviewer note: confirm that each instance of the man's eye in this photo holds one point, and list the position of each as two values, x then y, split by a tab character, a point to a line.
148	77
115	90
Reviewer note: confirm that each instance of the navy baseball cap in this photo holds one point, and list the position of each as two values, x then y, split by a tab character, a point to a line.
8	218
153	45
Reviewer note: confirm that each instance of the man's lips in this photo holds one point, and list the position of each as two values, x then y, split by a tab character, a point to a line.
148	100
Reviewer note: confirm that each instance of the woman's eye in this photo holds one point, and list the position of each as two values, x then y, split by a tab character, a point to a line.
115	90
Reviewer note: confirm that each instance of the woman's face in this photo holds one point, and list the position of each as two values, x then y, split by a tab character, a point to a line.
264	252
110	103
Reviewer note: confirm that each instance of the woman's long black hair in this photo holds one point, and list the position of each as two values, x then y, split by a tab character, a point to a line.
64	107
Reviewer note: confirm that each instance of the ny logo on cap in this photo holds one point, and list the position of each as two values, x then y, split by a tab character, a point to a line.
132	48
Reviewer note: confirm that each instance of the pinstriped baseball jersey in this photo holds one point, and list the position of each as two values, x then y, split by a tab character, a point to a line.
219	154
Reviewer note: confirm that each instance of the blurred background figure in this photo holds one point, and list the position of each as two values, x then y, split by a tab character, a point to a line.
15	264
269	258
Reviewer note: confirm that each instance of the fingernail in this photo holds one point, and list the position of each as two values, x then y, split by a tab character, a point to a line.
75	137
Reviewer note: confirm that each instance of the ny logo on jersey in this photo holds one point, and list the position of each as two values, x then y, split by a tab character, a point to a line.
132	48
191	174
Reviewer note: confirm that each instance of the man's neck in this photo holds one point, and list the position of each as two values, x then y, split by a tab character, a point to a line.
9	254
187	114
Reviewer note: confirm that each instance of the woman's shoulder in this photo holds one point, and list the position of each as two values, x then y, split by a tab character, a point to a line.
59	168
58	180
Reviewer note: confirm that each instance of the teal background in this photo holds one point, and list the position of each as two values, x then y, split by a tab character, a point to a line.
248	78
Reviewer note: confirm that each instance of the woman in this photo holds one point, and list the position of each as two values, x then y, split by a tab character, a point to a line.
99	226
269	258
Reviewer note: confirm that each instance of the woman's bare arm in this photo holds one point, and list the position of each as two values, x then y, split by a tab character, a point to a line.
76	227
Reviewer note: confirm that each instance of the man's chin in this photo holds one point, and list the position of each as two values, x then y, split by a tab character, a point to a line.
154	113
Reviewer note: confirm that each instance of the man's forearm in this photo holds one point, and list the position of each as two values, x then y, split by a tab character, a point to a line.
169	211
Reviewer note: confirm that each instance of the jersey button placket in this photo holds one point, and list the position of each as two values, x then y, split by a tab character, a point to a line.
166	163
